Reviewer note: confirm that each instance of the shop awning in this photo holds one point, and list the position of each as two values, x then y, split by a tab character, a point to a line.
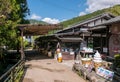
71	39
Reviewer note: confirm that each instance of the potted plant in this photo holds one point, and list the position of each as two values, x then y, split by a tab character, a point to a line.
117	62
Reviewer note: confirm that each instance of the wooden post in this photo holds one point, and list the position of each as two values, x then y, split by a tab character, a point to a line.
12	76
101	43
17	46
107	39
22	52
18	42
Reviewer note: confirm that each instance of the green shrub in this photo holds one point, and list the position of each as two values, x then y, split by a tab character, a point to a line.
117	60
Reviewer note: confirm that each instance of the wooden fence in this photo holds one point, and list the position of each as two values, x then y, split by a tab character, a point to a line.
14	73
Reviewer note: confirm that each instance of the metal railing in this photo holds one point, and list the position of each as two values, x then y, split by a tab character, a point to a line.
14	73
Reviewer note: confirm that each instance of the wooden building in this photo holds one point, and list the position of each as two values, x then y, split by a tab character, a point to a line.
98	32
112	35
94	38
90	22
103	31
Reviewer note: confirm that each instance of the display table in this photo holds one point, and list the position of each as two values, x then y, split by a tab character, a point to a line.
88	74
85	53
67	56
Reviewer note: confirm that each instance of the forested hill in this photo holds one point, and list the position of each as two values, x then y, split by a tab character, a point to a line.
115	10
32	21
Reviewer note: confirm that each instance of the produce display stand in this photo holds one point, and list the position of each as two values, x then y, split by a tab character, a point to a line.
84	53
88	74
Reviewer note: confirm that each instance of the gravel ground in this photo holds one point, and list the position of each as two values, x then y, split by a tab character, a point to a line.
49	70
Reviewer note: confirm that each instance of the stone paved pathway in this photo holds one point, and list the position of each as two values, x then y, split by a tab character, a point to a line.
49	70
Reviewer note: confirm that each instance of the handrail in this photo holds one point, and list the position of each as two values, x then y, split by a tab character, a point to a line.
9	75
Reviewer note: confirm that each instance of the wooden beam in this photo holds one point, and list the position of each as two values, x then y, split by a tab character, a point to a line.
38	29
22	43
71	39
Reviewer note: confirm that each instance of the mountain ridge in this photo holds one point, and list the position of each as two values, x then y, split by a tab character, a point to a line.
115	10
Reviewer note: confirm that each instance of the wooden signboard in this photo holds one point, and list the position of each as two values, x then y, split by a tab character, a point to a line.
105	73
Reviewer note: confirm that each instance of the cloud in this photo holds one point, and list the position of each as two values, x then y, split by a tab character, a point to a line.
50	20
34	16
46	19
82	13
94	5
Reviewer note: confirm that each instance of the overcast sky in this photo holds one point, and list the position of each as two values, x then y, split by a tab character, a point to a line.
55	11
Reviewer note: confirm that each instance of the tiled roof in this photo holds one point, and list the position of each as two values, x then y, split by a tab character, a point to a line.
105	15
111	21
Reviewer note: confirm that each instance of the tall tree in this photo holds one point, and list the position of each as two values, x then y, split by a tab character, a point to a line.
12	13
